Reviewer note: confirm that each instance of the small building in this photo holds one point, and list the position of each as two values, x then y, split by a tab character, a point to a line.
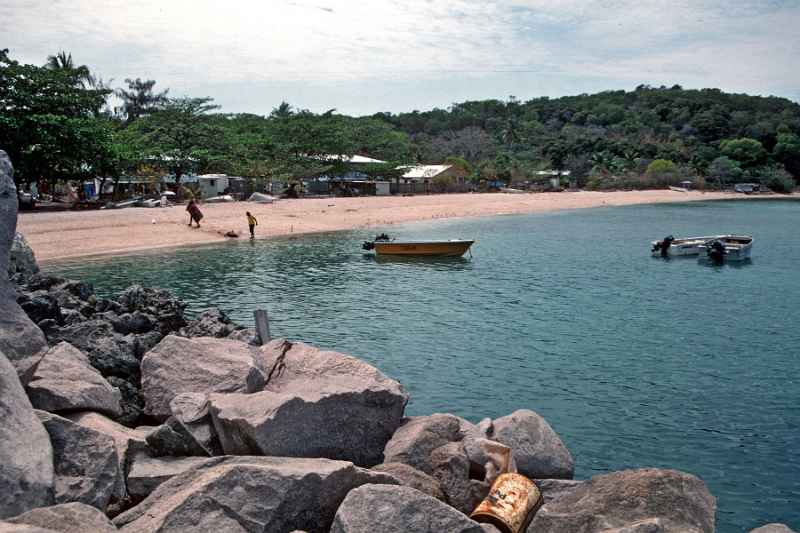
430	178
351	178
213	184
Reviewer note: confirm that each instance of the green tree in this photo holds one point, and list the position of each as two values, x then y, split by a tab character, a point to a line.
787	151
778	180
662	172
179	137
47	123
139	99
724	170
748	152
63	62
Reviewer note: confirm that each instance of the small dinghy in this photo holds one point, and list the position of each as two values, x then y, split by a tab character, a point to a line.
383	245
727	248
669	246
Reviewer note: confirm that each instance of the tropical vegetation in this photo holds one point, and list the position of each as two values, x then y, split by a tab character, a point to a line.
58	121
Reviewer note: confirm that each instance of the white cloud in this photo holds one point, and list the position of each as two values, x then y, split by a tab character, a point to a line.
314	44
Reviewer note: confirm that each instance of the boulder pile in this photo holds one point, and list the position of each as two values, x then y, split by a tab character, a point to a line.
113	334
122	414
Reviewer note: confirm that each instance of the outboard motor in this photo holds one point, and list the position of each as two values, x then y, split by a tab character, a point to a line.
370	245
716	252
664	245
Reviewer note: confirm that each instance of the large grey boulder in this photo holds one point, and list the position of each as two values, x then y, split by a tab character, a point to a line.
21	262
450	466
316	404
646	500
108	351
66	518
772	528
127	441
411	477
26	456
86	463
65	381
161	304
419	436
397	509
8	211
147	473
552	489
190	411
210	322
201	365
455	452
537	449
20	340
172	439
250	494
6	527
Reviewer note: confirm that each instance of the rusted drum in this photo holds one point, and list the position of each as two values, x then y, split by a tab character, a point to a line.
510	505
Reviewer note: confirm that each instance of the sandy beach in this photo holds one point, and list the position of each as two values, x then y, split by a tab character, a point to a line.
71	234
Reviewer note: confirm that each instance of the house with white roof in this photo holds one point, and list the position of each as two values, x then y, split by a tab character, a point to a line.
431	178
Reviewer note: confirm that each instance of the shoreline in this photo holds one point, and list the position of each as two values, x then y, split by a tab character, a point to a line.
69	235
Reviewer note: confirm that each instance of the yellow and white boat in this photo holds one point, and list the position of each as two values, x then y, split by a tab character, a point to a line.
384	246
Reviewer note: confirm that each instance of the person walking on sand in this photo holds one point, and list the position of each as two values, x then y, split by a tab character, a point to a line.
252	222
194	213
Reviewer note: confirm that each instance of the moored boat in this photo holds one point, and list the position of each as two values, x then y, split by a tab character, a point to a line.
383	245
669	246
727	248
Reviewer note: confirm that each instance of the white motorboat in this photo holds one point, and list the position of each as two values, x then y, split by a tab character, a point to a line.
220	199
727	248
671	247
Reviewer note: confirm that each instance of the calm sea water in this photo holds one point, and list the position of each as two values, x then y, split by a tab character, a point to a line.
635	361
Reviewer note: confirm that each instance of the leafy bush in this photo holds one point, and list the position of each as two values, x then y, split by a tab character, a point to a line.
443	182
748	152
724	170
662	171
778	180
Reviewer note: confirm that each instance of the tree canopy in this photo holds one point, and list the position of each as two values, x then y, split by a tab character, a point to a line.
56	124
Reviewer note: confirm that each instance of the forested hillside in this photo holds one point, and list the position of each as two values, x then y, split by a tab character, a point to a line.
59	122
616	134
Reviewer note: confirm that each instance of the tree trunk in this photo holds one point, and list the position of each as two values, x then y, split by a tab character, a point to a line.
178	189
101	187
115	192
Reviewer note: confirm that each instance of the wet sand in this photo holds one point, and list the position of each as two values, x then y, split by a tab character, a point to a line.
71	234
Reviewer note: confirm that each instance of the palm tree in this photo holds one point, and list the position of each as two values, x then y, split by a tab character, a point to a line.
284	110
139	99
63	62
510	133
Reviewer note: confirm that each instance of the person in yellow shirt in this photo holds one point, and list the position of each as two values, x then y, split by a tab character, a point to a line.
252	222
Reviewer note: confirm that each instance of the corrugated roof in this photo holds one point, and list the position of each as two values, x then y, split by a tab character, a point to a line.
424	171
354	159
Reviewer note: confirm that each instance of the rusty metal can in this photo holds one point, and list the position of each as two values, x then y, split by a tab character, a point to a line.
510	505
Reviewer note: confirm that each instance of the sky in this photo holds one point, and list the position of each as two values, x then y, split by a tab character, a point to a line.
362	57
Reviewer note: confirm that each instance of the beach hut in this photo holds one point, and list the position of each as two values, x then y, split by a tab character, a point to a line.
430	178
213	184
352	177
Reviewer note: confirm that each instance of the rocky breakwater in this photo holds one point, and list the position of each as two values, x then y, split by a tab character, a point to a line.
113	334
132	417
285	436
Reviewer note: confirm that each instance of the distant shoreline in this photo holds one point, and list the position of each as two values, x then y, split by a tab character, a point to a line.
58	236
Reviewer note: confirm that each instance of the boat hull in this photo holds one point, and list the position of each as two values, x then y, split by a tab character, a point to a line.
684	247
427	249
737	248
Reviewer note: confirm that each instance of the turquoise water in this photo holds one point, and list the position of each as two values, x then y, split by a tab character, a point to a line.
635	361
